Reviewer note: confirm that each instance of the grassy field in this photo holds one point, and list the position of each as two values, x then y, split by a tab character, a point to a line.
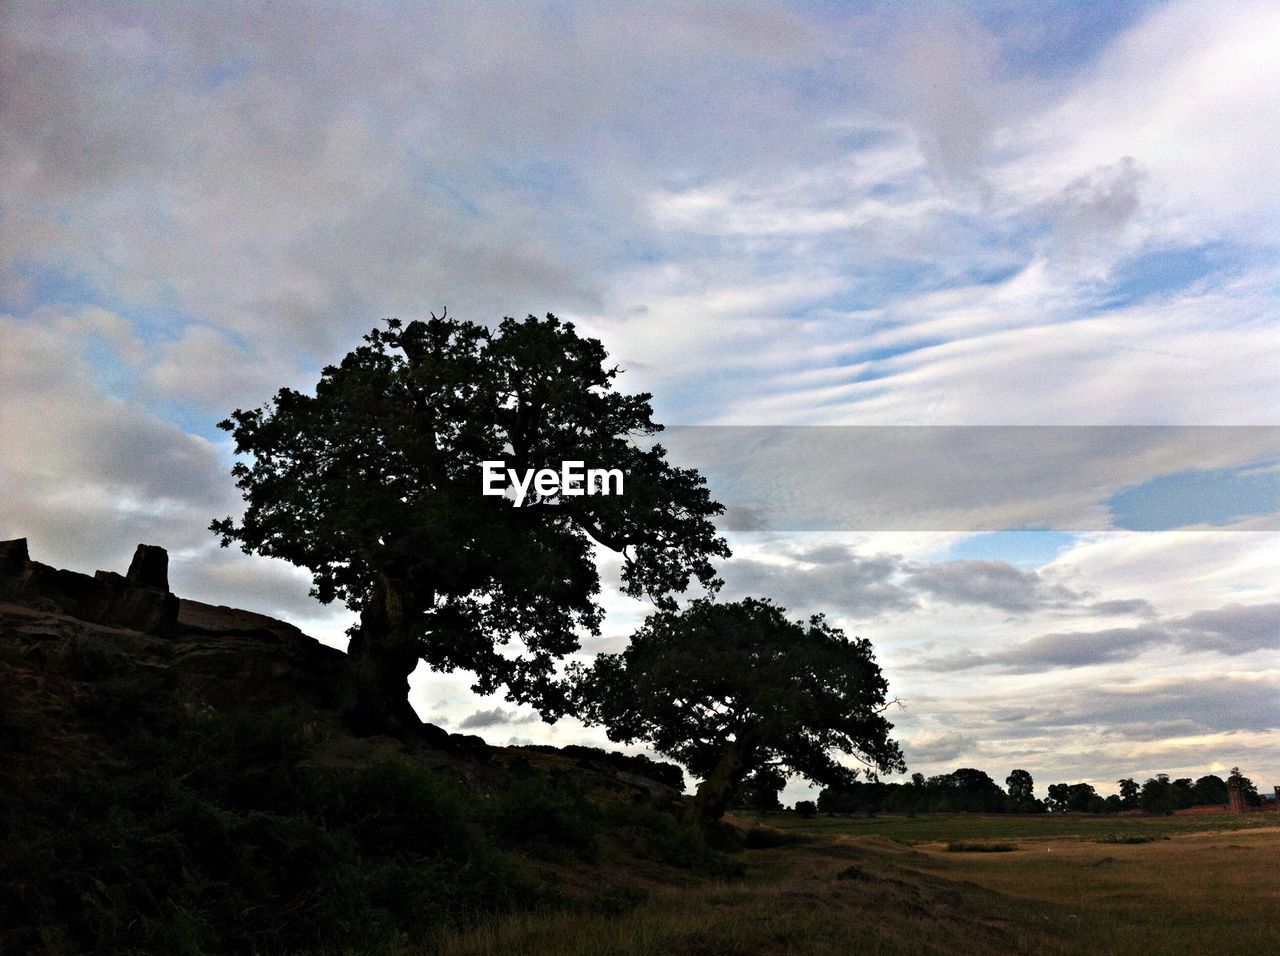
891	885
938	827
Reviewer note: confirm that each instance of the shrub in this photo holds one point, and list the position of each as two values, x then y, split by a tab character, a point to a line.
664	839
981	847
547	811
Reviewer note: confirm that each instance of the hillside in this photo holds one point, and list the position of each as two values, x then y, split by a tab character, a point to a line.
178	778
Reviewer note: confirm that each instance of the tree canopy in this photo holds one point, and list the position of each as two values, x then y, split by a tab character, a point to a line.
373	484
734	689
1022	791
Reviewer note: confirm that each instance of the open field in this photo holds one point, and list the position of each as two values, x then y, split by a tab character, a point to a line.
935	827
889	885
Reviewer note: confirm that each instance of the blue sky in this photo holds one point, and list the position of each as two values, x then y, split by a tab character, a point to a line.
945	214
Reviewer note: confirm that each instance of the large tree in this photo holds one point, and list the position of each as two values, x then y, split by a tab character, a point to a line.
1022	791
733	690
374	485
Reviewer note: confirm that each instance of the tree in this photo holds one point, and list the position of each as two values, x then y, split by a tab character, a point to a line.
1082	798
373	484
966	790
759	791
1022	793
1074	798
1059	797
1248	790
731	689
1183	793
1210	790
1157	795
1129	790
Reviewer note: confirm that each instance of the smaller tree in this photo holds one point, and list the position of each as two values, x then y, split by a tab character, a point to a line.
1210	790
1059	797
733	689
967	790
1184	794
759	791
1022	794
1248	790
1158	795
1129	791
1082	798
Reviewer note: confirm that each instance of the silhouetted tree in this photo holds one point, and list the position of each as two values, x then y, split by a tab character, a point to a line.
373	484
1157	795
1059	797
1075	798
1183	793
1129	791
806	809
759	791
1082	798
1246	786
966	790
1022	793
1210	790
730	689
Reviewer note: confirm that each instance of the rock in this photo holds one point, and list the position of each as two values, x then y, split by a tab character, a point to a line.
140	601
149	568
13	556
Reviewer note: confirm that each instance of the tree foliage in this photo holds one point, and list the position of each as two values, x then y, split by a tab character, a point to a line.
1129	790
732	689
1248	789
1022	792
373	484
1075	798
759	791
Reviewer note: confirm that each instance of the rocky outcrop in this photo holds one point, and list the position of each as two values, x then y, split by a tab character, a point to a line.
139	600
60	625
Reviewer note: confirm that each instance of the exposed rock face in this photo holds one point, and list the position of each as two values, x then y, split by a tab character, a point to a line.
13	557
149	568
57	624
141	601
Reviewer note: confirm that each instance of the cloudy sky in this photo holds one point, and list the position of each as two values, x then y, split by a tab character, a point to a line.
776	217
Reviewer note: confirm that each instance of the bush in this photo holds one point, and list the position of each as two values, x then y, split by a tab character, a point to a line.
766	838
664	839
215	837
545	811
981	847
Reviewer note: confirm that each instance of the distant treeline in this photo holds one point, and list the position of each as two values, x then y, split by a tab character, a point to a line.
967	790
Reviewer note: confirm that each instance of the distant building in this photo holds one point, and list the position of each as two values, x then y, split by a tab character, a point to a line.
1237	802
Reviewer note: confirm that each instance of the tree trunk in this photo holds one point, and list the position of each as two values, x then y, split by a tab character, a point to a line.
381	656
712	798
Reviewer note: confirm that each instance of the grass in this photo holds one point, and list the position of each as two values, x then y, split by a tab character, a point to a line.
1168	884
949	827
